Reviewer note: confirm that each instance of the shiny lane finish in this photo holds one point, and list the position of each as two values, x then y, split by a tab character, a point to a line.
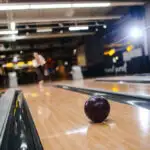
129	88
62	125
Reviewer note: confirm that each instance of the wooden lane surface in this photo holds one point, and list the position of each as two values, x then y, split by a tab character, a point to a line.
127	78
129	88
59	118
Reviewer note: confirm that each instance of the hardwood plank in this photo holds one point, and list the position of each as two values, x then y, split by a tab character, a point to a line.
62	125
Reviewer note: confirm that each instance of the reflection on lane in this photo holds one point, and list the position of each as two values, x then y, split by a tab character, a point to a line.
142	103
144	120
111	96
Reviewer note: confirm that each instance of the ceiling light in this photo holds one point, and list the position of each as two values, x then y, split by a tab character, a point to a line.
44	30
14	7
12	25
79	5
5	7
48	6
4	32
76	28
135	32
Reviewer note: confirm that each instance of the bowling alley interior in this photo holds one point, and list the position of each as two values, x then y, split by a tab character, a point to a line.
74	75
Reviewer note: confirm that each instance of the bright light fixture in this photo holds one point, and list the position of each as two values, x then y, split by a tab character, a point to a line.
49	6
44	30
12	25
77	28
5	7
135	32
82	5
14	7
5	32
104	26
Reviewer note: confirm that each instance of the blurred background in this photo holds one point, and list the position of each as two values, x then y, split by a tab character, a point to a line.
103	38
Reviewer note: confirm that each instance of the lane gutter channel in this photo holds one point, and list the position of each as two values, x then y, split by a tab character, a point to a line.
121	98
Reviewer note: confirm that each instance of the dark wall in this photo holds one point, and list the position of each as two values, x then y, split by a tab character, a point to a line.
94	48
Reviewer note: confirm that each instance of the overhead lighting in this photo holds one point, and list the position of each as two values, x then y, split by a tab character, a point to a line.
77	28
82	5
14	7
5	7
136	32
49	6
5	32
44	30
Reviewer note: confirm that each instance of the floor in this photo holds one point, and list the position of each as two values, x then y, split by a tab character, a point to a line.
135	78
125	88
62	125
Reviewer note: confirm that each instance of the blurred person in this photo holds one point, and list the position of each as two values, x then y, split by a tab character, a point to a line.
39	65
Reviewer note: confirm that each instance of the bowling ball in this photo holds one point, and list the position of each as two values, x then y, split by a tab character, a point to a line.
97	108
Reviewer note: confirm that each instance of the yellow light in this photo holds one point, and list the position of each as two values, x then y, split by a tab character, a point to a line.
115	89
9	65
20	64
34	94
30	63
129	48
112	52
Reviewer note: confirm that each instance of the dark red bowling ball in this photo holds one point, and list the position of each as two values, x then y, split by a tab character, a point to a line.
97	108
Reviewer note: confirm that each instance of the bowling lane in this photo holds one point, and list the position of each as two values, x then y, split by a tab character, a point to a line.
60	121
140	78
141	90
